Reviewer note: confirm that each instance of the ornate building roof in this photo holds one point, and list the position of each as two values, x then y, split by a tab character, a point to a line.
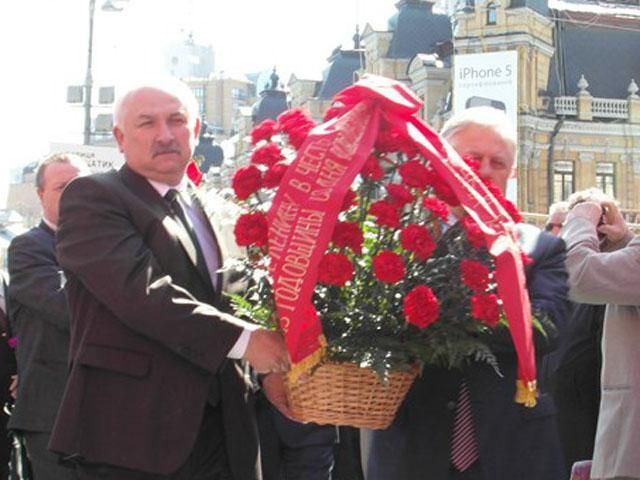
272	102
602	46
416	29
540	6
342	65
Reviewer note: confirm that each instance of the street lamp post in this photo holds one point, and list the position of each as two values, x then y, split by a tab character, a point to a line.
107	6
88	81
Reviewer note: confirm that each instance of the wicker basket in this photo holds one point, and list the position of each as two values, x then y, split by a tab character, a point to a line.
344	394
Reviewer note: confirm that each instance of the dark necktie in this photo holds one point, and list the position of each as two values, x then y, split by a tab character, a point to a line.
176	204
464	449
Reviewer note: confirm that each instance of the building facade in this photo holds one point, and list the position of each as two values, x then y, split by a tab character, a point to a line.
578	104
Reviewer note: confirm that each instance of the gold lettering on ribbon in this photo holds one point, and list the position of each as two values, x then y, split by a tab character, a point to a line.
302	241
281	226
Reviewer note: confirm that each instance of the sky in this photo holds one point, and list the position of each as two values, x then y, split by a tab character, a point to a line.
44	47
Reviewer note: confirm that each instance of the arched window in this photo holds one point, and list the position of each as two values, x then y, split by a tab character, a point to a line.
492	13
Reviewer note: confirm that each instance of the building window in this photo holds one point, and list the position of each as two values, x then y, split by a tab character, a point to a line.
563	173
492	13
200	93
606	177
238	94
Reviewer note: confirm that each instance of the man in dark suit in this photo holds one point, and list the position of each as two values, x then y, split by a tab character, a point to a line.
40	316
465	424
7	380
155	390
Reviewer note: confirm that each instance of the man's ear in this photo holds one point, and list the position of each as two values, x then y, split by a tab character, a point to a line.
119	136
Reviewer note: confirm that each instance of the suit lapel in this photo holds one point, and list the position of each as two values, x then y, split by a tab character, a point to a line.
159	207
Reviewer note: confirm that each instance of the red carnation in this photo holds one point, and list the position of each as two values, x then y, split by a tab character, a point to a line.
247	180
292	119
389	140
409	149
421	306
335	269
414	174
251	229
475	275
296	124
348	201
297	136
474	234
273	176
372	169
437	207
508	205
417	239
267	154
485	308
473	163
193	173
526	259
492	187
263	131
511	209
399	194
388	267
348	235
442	189
387	214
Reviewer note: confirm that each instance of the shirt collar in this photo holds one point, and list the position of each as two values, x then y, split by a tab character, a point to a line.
163	188
50	224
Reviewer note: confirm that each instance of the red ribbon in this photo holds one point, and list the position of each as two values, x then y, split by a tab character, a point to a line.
305	210
304	213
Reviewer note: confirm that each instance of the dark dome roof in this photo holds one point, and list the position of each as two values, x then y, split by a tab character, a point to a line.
271	104
339	73
416	29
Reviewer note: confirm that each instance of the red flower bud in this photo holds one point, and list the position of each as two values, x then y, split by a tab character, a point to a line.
251	229
485	308
417	239
263	131
247	180
335	269
388	267
421	306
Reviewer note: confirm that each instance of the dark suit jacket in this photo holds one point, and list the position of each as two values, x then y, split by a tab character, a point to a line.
148	346
40	318
515	442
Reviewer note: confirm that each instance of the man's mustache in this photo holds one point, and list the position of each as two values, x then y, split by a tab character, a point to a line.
162	149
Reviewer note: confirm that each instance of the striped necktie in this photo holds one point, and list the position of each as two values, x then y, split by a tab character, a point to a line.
464	449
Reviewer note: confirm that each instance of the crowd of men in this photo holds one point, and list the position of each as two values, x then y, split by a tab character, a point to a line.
130	365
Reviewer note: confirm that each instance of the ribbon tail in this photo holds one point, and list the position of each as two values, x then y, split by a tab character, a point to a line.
515	302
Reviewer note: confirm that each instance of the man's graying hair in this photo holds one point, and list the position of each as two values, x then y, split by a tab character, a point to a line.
589	195
484	117
70	158
168	85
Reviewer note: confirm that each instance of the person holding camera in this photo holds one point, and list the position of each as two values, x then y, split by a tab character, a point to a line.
603	260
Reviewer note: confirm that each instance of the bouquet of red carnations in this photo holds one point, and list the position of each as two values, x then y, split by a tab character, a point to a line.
354	253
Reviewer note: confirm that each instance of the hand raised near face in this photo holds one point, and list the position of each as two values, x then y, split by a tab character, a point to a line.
613	227
591	211
266	352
